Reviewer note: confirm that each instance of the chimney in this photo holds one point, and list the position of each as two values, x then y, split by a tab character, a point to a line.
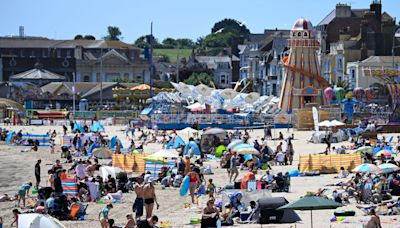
343	11
376	8
21	31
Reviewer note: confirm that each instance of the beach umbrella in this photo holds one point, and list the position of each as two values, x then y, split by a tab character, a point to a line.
247	150
33	220
389	167
325	123
335	123
234	143
228	93
166	153
385	152
311	203
365	149
214	131
248	157
187	131
102	153
367	168
204	90
251	97
242	145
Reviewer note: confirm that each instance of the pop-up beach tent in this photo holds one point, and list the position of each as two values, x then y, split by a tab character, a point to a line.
194	146
9	136
175	143
78	128
97	127
33	220
114	141
270	214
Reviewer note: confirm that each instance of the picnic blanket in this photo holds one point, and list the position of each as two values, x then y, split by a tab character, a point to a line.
70	187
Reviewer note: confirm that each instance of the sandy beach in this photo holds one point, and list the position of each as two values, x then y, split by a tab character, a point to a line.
18	167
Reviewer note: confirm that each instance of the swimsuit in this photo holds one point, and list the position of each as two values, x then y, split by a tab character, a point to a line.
149	201
138	207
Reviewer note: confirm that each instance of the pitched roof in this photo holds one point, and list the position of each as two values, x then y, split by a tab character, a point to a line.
212	61
7	42
37	74
381	59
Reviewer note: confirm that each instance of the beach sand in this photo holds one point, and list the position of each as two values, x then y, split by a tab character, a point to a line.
18	167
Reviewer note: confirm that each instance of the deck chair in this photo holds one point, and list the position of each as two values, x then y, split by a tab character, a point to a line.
74	211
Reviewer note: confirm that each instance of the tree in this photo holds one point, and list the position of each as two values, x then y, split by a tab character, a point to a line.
78	37
169	43
197	78
89	37
144	42
113	33
184	43
230	25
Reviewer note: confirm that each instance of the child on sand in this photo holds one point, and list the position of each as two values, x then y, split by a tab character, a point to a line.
103	215
210	188
23	192
16	213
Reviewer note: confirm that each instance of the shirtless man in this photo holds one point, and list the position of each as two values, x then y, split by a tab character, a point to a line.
149	195
138	204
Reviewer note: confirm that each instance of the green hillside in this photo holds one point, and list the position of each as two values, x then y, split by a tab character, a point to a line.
173	53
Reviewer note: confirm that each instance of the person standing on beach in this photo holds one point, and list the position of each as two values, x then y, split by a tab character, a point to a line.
138	204
149	195
103	215
234	170
37	173
23	192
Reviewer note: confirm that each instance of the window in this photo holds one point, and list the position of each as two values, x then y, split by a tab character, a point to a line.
126	76
223	79
299	34
353	74
33	54
305	34
44	53
294	34
86	78
98	78
58	53
68	53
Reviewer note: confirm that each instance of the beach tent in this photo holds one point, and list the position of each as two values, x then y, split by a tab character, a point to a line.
9	136
190	145
77	128
187	131
114	141
175	143
92	147
269	213
109	170
33	220
97	127
102	153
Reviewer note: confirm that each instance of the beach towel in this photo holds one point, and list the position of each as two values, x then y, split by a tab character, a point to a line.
70	187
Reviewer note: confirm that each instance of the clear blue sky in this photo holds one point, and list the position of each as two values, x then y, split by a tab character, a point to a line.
63	19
